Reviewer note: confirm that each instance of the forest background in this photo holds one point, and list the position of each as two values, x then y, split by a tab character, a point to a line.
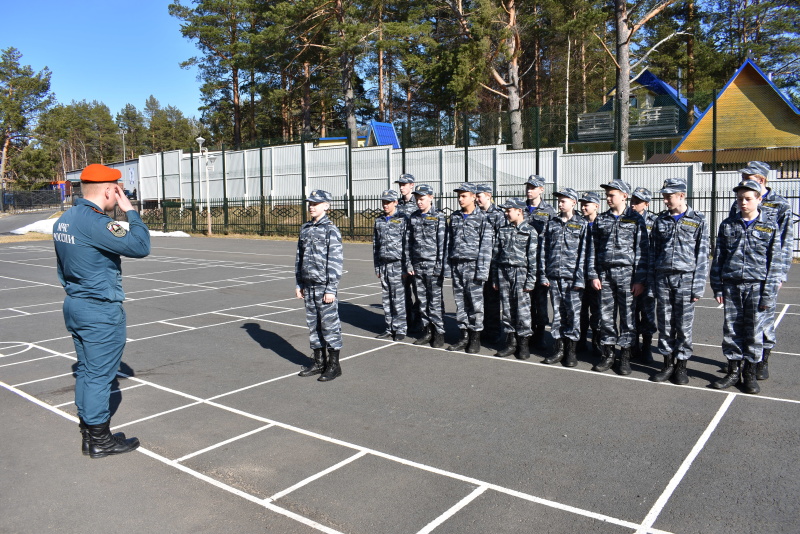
277	71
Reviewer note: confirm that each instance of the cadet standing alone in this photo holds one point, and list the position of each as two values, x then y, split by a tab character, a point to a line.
88	247
318	268
391	260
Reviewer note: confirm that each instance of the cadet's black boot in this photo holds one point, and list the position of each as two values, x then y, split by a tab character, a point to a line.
537	340
510	346
332	368
438	338
425	339
570	358
666	371
474	344
461	344
84	436
523	349
607	361
558	352
734	373
596	346
102	443
625	361
750	381
317	367
645	349
679	377
762	367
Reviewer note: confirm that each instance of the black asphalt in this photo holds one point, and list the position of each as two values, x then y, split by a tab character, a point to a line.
409	439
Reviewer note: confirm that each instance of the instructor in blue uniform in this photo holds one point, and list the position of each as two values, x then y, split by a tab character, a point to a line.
88	247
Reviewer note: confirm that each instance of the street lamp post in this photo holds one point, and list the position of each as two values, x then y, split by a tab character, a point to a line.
204	151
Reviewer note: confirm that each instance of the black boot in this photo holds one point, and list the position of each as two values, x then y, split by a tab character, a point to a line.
734	373
666	371
523	348
607	361
332	368
102	443
558	352
461	344
438	339
750	381
425	339
625	361
510	346
645	349
317	367
84	428
474	344
679	377
762	367
570	358
537	340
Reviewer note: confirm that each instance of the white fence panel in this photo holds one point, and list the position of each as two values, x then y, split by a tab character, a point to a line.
287	176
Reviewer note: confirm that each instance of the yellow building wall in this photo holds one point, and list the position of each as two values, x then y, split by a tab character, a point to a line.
749	115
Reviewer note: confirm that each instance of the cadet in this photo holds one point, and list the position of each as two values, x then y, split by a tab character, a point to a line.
469	244
407	204
679	264
427	242
590	305
621	259
390	257
566	245
745	277
491	298
538	213
777	209
644	306
88	247
318	269
514	268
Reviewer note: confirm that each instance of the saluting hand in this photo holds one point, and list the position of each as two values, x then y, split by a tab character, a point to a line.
122	201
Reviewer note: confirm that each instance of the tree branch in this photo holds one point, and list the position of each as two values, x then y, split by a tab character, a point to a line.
614	59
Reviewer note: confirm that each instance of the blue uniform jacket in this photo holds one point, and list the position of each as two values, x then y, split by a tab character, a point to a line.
88	247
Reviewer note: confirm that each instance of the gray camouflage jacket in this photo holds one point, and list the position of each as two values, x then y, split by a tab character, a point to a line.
566	245
516	246
621	242
390	241
539	215
407	206
319	259
680	247
427	239
470	239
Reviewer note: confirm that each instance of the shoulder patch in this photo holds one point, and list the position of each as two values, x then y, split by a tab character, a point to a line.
116	228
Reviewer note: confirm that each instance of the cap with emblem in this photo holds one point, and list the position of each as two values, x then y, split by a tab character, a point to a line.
100	173
643	194
618	184
390	195
535	180
405	179
673	185
514	203
466	188
318	195
568	192
591	197
485	188
748	184
423	189
756	167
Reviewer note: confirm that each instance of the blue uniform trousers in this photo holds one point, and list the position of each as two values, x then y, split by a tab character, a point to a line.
98	331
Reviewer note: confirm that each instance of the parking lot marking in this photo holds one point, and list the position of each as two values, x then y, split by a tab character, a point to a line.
42	379
477	492
780	316
651	517
314	477
222	443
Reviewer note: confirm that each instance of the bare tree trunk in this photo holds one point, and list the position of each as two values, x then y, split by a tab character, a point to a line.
512	88
623	72
285	127
381	96
237	109
584	82
566	98
690	23
306	101
323	119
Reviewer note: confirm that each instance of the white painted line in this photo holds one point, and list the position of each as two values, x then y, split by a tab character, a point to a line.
30	281
116	427
29	361
452	511
721	306
687	463
178	325
222	443
42	379
780	317
316	476
36	401
18	311
113	392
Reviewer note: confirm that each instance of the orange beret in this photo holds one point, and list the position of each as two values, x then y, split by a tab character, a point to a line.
100	173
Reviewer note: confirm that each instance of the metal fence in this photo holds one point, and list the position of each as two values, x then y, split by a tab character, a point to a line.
32	200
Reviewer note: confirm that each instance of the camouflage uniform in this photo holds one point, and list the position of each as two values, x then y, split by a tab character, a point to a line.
621	259
390	257
407	207
514	269
590	304
427	234
565	248
491	297
318	269
645	304
679	250
537	217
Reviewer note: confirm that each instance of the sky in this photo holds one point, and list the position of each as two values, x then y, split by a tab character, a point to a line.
117	52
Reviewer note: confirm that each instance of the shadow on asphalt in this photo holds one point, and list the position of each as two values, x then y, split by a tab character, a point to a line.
272	341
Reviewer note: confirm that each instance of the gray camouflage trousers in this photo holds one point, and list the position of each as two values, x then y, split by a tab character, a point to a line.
616	298
645	314
429	296
566	309
468	295
769	326
743	332
393	296
324	328
675	314
515	304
